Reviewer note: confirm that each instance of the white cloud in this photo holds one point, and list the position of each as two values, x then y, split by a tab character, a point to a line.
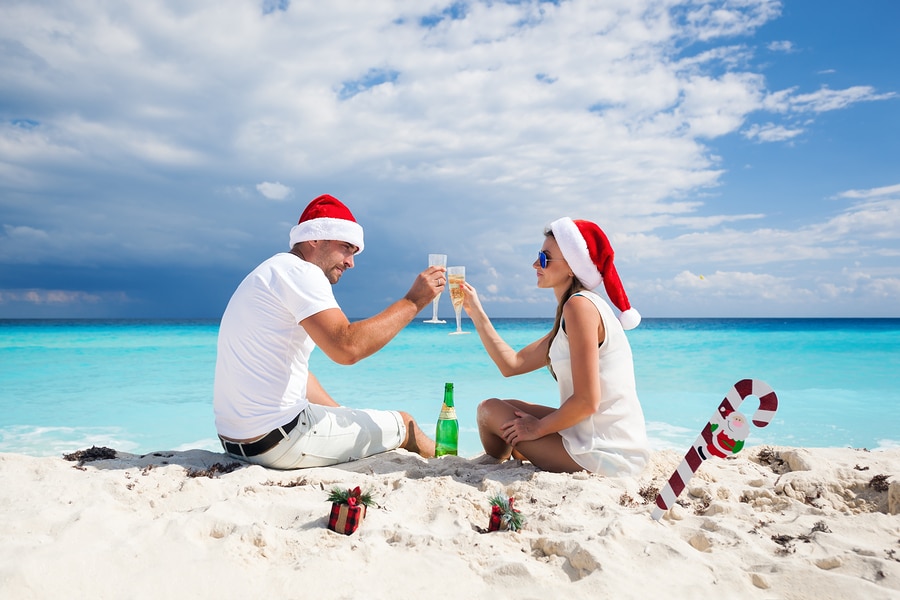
770	133
889	190
858	230
823	100
875	219
273	191
38	296
25	233
493	98
711	20
781	46
725	284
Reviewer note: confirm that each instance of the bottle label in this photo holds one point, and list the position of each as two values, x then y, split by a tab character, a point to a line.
447	412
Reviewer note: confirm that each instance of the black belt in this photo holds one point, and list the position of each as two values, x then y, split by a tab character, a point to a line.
262	445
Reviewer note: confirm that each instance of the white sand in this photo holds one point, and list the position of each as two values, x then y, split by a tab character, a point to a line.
770	523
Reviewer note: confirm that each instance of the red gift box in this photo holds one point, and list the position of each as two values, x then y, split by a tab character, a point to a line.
496	523
345	518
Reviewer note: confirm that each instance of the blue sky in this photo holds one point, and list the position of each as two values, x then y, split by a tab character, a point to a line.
742	155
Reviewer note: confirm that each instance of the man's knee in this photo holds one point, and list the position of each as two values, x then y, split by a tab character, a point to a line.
411	427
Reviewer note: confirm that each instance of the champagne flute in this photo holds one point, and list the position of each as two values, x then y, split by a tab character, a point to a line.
436	260
456	276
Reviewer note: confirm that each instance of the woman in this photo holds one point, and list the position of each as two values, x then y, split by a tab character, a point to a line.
599	425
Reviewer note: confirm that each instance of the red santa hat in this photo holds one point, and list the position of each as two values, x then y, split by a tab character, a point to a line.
590	256
326	218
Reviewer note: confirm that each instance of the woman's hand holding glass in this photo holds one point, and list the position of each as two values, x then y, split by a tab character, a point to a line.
456	279
471	302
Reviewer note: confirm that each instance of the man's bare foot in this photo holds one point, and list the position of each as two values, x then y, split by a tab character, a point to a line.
416	440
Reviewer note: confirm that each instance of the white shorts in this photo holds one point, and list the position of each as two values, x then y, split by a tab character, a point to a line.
330	435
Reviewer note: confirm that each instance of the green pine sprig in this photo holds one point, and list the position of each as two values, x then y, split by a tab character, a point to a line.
342	496
511	517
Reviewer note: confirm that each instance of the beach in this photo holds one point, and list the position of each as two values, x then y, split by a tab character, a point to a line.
770	522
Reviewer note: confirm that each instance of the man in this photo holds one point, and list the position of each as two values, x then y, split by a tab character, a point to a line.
270	409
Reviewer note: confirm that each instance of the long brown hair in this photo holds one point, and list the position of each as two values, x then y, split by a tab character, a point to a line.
575	287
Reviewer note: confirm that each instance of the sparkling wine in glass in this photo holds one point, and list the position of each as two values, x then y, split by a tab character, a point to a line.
456	276
436	260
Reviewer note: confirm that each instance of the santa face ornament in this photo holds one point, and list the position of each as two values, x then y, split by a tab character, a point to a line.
727	437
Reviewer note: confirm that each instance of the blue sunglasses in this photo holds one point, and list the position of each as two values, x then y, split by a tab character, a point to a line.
542	258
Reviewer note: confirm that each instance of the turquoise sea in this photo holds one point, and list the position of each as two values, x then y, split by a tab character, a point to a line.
142	386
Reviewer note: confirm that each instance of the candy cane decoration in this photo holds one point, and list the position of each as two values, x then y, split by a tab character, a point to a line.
723	436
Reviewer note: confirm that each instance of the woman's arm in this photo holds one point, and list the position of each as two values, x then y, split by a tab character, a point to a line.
585	330
509	361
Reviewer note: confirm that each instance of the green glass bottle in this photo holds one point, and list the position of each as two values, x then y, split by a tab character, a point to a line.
446	436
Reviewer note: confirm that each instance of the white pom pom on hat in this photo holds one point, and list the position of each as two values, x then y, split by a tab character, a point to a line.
326	218
590	256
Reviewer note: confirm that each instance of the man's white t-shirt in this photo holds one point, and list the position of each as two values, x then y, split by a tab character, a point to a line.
262	361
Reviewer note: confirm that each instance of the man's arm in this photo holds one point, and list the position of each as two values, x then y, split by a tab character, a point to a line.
316	394
347	343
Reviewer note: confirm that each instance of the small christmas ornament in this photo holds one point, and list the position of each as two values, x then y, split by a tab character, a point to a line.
722	437
503	516
728	438
348	509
